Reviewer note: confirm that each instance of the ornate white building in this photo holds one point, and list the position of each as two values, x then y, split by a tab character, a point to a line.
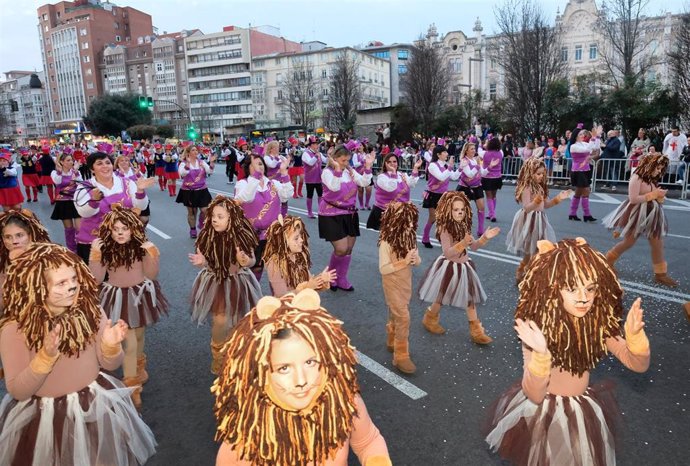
24	107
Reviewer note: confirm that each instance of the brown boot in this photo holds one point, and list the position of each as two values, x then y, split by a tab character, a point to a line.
390	336
136	394
477	333
520	272
142	375
217	355
611	257
430	322
686	307
660	275
401	357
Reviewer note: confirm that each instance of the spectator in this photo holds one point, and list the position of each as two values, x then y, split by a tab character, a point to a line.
611	156
674	143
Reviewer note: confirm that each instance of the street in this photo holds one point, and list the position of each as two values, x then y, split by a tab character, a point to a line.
435	416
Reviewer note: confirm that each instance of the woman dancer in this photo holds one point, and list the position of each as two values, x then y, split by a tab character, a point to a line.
125	168
392	186
11	197
313	160
225	288
438	176
131	292
397	255
581	171
338	217
641	214
30	178
159	163
288	259
553	416
273	162
194	192
65	176
47	166
530	223
471	173
296	170
358	162
171	173
288	393
492	162
452	279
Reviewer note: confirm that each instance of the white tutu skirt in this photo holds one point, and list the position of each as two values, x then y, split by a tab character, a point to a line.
139	305
527	229
234	296
561	431
98	425
644	219
452	284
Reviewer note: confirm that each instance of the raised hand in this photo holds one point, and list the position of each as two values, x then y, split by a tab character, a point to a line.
284	162
410	257
143	183
418	163
494	162
51	340
531	335
369	160
634	323
197	259
328	276
96	245
96	194
563	195
492	232
242	257
114	334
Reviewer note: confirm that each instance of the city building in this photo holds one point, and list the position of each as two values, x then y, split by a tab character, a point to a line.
23	112
398	55
73	36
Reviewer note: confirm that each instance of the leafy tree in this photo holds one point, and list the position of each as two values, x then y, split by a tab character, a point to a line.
110	114
403	123
137	132
165	131
451	121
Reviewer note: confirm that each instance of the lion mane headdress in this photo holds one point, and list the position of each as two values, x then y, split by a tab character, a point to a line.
444	216
295	269
28	221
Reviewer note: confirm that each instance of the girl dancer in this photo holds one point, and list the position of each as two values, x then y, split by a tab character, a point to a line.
30	178
47	167
65	176
288	393
338	217
581	171
568	318
471	173
438	175
225	288
641	214
194	192
288	260
131	292
392	186
296	170
125	168
171	174
10	195
159	163
397	255
530	223
492	162
274	162
313	160
358	160
452	279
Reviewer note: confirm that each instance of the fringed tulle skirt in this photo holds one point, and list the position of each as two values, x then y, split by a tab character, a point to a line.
140	305
561	431
234	296
96	425
452	284
527	229
644	219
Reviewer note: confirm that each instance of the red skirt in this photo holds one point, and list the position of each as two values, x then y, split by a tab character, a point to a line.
295	171
160	171
172	176
239	171
30	179
11	196
46	180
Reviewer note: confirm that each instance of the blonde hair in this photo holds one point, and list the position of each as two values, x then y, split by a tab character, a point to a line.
270	146
526	179
26	220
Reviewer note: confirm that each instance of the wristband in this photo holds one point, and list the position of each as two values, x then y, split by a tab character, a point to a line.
482	240
140	195
540	364
650	196
93	203
153	251
637	343
95	255
110	351
42	363
556	200
378	460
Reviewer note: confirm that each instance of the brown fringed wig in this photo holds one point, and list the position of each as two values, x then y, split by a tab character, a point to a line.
526	179
27	221
444	216
293	267
648	165
576	344
220	248
259	430
114	255
396	229
79	323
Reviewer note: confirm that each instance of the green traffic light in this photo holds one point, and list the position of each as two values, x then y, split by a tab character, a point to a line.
142	102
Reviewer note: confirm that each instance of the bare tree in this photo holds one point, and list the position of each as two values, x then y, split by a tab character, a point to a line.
301	93
426	83
680	65
528	51
345	92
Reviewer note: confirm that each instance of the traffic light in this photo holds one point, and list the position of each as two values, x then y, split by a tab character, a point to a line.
149	102
191	133
142	102
15	105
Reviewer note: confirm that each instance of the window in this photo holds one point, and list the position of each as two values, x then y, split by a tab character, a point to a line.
402	69
45	17
578	53
385	54
159	67
492	91
86	58
88	72
456	65
84	45
592	51
403	54
118	38
259	63
324	73
89	85
82	32
564	54
116	25
280	95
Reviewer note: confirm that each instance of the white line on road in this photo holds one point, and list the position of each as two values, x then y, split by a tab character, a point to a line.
606	198
655	289
396	381
679	236
685	204
157	231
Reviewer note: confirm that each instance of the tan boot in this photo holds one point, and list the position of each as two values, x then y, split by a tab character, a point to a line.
686	307
217	355
136	394
142	375
430	322
660	275
401	357
611	257
390	336
477	333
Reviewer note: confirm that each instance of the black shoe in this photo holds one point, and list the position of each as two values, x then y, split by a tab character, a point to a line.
28	200
334	288
493	219
589	218
352	288
488	217
427	245
574	217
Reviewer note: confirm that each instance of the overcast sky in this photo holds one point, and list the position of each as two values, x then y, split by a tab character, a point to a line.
336	22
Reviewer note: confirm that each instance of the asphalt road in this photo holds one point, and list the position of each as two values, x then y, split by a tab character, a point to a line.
434	418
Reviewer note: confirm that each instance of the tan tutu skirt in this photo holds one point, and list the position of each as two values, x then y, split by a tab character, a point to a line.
452	284
527	229
561	431
234	296
644	219
96	425
140	305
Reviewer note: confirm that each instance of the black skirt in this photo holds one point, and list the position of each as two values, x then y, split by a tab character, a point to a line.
333	228
492	184
194	198
431	199
64	210
374	220
259	253
472	193
147	211
581	179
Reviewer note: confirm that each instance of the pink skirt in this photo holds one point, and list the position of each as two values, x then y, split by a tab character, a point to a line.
11	196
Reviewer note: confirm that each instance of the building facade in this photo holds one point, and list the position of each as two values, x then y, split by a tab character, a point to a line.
398	55
23	112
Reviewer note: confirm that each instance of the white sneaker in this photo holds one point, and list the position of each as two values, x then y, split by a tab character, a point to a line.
679	181
613	188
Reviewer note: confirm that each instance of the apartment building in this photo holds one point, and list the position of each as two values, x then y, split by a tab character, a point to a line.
23	110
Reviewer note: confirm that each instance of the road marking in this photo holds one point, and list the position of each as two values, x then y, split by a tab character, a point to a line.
389	377
685	204
157	231
655	289
679	236
606	198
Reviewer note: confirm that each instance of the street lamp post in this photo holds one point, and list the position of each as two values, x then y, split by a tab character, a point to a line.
185	110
